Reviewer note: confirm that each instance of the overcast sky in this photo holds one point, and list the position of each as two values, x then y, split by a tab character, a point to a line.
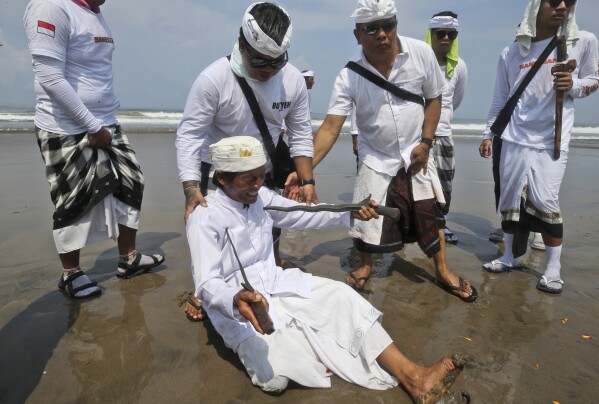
162	45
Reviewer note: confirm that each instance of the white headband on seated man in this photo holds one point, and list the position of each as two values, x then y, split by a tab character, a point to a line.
258	40
237	154
373	10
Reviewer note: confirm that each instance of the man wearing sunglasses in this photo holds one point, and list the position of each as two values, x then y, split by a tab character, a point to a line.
530	175
216	107
443	38
396	135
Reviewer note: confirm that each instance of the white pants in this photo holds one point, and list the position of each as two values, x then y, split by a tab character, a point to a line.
309	356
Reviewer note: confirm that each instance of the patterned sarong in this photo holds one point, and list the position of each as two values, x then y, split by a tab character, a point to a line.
80	177
420	220
444	152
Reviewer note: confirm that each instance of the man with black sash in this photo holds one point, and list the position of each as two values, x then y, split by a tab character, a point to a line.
96	184
531	164
397	126
217	108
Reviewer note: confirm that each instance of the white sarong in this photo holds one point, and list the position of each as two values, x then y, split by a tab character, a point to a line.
531	174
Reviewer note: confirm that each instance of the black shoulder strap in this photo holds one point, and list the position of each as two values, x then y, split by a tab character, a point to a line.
510	105
269	145
386	85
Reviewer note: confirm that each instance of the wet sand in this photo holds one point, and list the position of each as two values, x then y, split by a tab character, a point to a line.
134	344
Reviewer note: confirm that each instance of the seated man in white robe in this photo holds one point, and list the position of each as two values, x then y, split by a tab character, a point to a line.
321	326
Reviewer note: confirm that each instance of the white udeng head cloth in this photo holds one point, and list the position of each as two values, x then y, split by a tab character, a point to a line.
443	21
372	10
259	40
237	154
528	27
308	73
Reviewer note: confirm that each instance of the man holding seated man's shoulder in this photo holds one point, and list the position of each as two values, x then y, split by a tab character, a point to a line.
321	326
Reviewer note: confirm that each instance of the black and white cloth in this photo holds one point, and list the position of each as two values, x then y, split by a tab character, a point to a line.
80	177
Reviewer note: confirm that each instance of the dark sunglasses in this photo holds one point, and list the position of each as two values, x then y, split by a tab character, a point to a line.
372	29
441	34
261	63
555	3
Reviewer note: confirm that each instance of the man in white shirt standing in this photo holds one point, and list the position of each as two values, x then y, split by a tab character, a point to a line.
531	167
396	135
95	181
217	108
443	38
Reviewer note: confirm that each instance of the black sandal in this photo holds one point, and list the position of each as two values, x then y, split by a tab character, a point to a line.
66	285
451	289
199	308
126	271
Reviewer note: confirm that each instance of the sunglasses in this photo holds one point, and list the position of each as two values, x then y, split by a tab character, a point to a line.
372	29
556	3
261	63
441	34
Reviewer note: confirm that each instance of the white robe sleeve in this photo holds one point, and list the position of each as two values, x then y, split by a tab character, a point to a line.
500	94
210	286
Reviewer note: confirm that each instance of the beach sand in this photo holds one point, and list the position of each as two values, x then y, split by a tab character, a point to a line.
134	344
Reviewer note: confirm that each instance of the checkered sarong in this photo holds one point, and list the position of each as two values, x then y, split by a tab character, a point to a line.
444	153
80	177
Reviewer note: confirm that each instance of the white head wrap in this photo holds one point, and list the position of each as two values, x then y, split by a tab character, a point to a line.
528	27
372	10
443	21
259	40
308	73
237	154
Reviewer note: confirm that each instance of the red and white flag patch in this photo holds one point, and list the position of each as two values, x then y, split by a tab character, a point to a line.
46	28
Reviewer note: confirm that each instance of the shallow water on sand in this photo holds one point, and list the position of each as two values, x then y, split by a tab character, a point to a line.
134	344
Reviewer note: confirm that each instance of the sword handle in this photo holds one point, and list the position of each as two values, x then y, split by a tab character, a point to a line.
391	213
262	316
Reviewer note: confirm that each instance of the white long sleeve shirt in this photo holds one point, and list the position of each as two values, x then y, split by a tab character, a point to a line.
533	121
216	108
452	97
216	273
72	51
389	127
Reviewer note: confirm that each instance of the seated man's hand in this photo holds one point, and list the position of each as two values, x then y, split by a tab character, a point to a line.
419	159
193	198
100	139
242	301
292	188
366	212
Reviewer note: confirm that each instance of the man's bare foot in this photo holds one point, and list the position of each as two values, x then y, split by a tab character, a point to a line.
358	278
193	309
429	384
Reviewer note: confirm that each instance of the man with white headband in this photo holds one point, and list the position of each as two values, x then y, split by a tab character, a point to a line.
442	35
216	107
530	170
396	135
321	327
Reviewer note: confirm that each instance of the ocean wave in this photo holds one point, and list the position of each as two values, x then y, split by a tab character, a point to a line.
12	120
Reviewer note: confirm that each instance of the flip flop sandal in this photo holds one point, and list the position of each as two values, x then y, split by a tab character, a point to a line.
356	285
78	286
498	267
199	308
126	271
543	285
451	289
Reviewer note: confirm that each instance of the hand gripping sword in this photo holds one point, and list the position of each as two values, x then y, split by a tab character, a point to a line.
560	66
